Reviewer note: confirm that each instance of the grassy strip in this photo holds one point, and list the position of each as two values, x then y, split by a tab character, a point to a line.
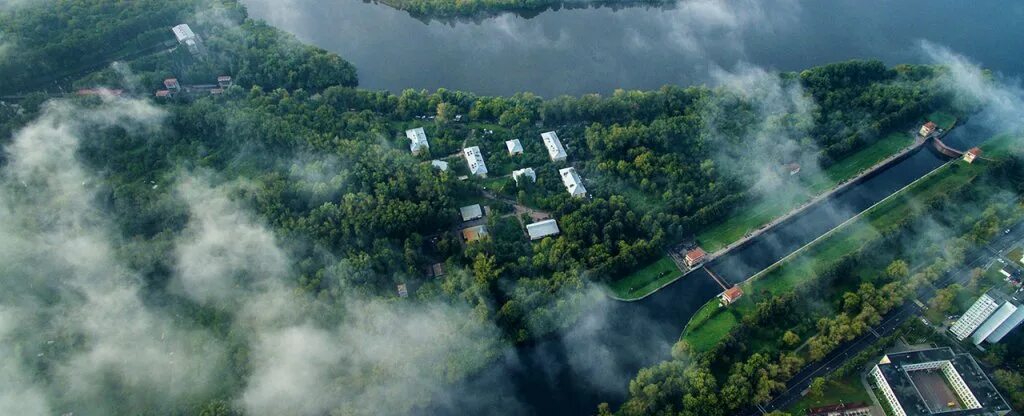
764	211
943	120
838	243
646	280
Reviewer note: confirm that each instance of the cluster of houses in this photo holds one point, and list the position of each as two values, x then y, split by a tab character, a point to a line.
571	179
418	144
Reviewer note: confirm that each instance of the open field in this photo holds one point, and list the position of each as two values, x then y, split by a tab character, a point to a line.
944	120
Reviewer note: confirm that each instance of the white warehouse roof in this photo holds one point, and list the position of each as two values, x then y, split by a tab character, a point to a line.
418	139
542	229
573	183
554	146
183	33
475	160
471	212
515	147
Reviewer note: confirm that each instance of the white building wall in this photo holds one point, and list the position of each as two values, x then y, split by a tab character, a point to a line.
974	317
887	391
555	149
959	386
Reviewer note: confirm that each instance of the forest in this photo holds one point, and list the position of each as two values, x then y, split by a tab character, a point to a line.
345	215
447	9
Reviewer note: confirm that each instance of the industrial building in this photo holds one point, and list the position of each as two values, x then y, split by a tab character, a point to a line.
185	36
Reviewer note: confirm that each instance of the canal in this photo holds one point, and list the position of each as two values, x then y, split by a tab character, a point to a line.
600	49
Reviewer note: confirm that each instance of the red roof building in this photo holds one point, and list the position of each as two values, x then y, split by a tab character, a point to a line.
972	154
695	257
731	295
927	129
163	94
172	84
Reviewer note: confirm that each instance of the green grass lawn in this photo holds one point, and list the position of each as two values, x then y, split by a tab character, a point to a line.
846	390
712	329
1016	255
763	211
646	280
944	120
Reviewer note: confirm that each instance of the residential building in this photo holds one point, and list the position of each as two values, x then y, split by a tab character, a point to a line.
515	147
185	36
730	295
471	212
541	229
163	94
573	182
475	160
990	318
172	85
224	81
403	291
524	173
972	154
417	140
435	270
695	257
927	128
554	146
440	165
474	233
936	381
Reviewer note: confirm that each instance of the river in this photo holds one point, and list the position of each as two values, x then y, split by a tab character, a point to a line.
600	49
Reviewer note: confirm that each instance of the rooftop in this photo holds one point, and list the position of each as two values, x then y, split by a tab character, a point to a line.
514	146
572	181
475	160
695	254
471	212
542	229
897	369
474	233
554	146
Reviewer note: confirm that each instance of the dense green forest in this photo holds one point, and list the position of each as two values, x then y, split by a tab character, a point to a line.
315	175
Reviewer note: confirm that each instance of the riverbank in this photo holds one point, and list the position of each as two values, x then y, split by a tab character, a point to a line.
711	323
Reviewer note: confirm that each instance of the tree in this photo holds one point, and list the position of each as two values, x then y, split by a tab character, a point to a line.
897	269
817	387
790	338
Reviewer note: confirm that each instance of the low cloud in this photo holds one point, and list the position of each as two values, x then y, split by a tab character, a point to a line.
71	304
999	101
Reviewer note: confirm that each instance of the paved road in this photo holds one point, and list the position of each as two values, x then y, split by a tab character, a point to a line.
909	310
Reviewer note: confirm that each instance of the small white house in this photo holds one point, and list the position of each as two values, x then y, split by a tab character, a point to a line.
475	160
524	173
573	182
515	147
471	212
554	146
417	140
439	165
185	36
541	229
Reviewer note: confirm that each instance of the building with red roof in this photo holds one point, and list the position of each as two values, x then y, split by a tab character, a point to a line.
730	295
695	257
972	154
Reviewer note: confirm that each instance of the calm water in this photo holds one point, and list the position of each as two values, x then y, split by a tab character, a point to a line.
598	50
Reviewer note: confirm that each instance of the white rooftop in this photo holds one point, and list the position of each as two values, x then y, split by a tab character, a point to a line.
183	33
418	139
471	212
542	229
554	146
572	181
475	160
527	172
439	164
515	147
